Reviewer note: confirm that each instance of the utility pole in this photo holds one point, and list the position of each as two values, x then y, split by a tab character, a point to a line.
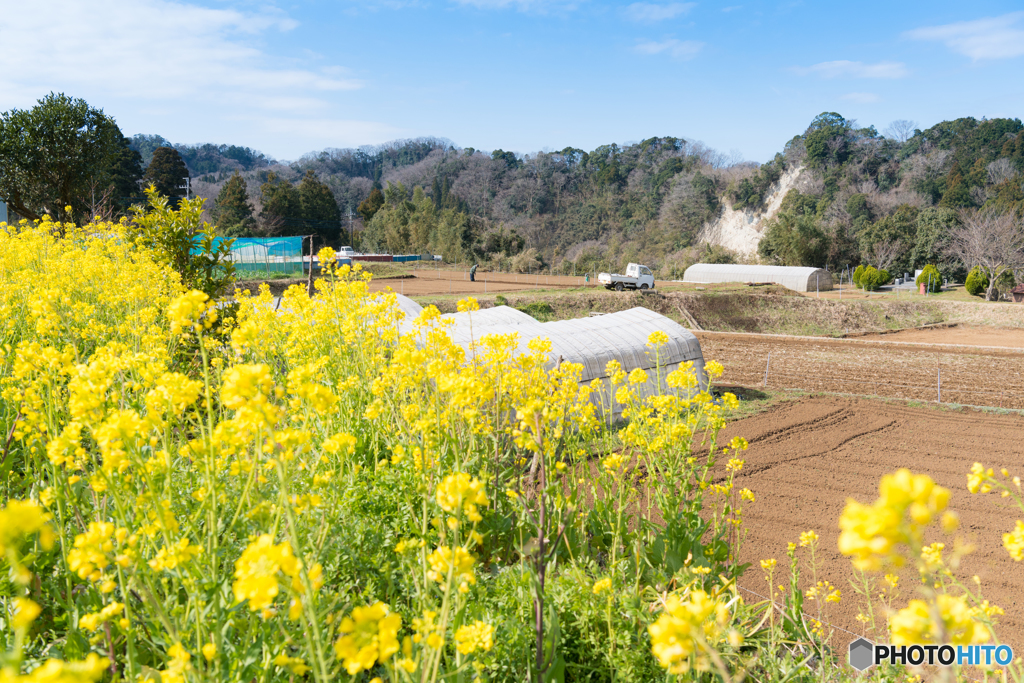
187	187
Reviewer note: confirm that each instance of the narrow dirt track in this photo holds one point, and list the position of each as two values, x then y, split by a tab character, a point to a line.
806	457
970	375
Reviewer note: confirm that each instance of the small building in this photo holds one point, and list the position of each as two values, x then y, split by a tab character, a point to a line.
797	278
1017	293
3	211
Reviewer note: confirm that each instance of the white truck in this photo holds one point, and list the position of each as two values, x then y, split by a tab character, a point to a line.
346	252
636	277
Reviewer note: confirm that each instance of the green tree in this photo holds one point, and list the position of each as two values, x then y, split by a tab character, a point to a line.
167	172
282	207
232	211
826	140
930	278
933	228
791	240
957	194
976	282
53	155
182	239
123	173
371	205
319	208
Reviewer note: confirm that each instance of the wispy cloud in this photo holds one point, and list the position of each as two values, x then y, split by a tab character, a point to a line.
732	8
209	55
861	97
988	38
680	49
846	68
649	12
537	6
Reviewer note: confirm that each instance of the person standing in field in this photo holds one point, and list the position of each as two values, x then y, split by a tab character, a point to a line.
472	273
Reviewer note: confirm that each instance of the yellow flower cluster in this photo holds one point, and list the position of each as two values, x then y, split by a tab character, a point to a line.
56	671
473	637
874	535
462	493
681	635
368	635
957	623
257	569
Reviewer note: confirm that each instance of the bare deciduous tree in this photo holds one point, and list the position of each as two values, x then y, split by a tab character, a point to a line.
901	130
884	252
990	240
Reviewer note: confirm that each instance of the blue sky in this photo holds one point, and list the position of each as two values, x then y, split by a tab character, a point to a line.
525	75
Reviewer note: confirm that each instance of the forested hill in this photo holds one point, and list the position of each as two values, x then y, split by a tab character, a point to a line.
865	197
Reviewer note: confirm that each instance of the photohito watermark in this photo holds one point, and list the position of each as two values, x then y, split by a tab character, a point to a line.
864	654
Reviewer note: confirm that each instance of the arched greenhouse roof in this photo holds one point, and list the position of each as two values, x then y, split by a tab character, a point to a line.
797	278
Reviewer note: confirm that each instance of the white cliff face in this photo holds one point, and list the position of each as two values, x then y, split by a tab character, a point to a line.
741	231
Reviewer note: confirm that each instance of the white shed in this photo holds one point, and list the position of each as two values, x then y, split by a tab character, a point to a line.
797	278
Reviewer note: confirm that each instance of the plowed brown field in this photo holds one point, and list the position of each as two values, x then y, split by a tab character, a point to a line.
970	375
806	457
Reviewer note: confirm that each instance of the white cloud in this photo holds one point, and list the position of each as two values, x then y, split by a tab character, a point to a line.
732	8
680	49
847	68
539	6
988	38
649	12
152	52
861	97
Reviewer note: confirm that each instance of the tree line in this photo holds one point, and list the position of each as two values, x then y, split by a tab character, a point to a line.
891	200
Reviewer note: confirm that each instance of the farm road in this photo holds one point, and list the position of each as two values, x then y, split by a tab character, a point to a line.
970	375
807	456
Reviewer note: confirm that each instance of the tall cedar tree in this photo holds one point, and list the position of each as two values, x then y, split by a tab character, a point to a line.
319	208
371	205
53	155
167	171
282	207
232	211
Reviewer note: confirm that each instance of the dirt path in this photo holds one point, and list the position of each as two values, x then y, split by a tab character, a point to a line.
807	457
969	375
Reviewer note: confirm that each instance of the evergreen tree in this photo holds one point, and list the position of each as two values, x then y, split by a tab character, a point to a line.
319	208
124	170
232	211
167	171
371	205
282	207
54	154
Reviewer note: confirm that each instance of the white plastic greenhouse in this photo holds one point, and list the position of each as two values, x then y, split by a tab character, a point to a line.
591	342
797	278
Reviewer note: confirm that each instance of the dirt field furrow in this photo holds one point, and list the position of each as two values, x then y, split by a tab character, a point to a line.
807	457
963	374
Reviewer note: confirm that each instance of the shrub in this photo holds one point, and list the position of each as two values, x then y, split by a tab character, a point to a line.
857	275
930	278
872	279
977	282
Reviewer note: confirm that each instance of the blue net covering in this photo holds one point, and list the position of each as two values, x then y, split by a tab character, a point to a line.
267	254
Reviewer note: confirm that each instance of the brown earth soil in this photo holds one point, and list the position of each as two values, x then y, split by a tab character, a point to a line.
807	457
969	375
446	281
967	336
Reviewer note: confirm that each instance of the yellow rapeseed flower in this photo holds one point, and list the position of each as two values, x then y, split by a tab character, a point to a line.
1014	542
368	635
257	568
473	637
